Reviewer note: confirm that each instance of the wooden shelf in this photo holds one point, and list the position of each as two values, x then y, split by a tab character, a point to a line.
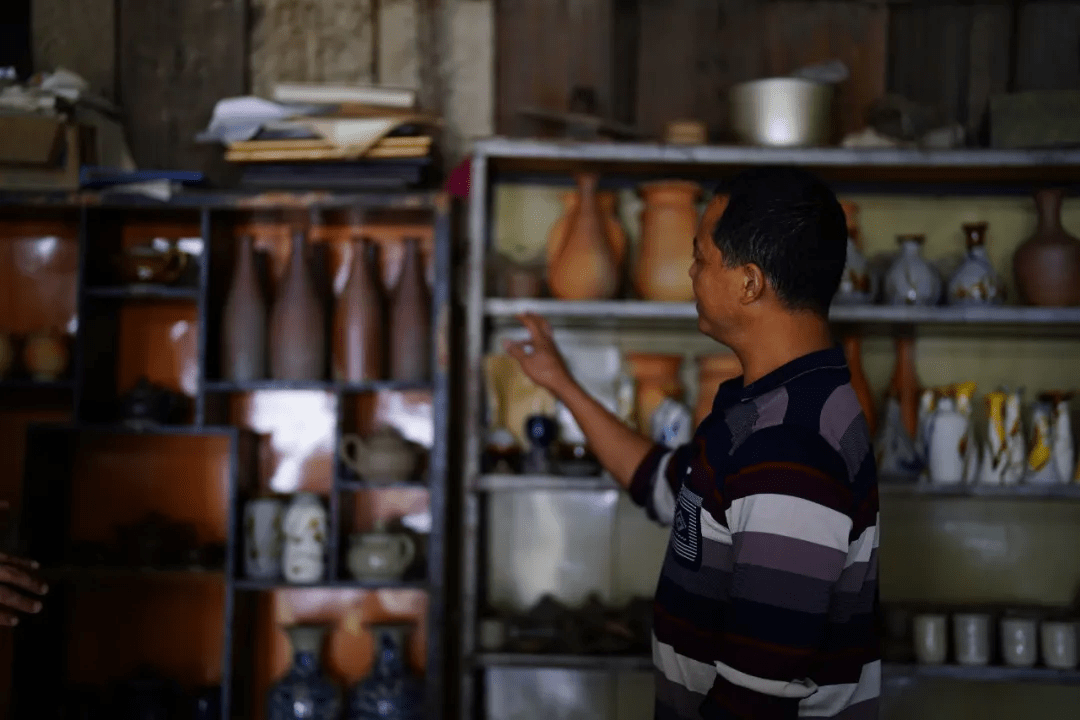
142	292
525	483
1014	492
232	199
985	673
351	484
229	386
569	662
266	585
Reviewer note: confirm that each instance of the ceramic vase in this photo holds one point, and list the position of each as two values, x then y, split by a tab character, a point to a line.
1047	265
911	280
656	377
853	352
858	284
359	323
410	320
905	386
1061	431
586	211
263	538
948	434
1041	467
713	370
243	321
964	394
305	693
975	282
1014	437
305	527
390	691
666	247
297	322
995	452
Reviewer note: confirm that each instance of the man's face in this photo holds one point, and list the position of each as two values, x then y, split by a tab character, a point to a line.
717	288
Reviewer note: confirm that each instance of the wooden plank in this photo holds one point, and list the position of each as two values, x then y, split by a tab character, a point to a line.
398	44
312	40
1048	46
177	58
79	35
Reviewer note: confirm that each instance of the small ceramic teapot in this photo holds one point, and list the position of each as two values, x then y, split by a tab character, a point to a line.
380	555
383	458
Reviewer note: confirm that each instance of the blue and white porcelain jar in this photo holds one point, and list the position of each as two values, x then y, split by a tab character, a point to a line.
305	693
390	691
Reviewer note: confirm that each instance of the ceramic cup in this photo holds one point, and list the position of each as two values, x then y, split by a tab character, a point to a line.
931	639
263	538
971	638
1019	642
1058	641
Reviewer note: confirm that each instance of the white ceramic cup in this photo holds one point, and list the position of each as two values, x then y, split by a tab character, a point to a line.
263	538
1058	644
971	638
931	639
1019	642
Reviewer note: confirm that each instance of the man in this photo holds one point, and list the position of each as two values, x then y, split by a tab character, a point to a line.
767	601
16	581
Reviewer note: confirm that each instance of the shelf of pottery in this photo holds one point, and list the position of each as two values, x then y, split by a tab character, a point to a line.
560	566
257	460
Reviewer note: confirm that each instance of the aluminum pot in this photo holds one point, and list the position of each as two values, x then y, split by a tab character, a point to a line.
782	112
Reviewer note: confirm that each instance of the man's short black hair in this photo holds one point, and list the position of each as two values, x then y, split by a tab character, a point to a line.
788	223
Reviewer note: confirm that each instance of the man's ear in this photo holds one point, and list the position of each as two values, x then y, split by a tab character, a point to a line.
753	284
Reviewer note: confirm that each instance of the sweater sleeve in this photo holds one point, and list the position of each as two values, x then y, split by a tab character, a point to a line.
789	508
656	482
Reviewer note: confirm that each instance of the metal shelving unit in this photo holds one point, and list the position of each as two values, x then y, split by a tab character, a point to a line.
512	161
50	447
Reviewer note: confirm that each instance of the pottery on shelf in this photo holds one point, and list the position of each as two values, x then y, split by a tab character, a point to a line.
1047	265
583	257
380	555
410	320
305	524
243	320
1041	467
995	453
1014	437
713	370
948	436
853	352
390	691
383	458
305	693
297	325
975	282
358	334
669	221
45	355
1061	433
656	377
911	280
904	385
858	284
159	261
263	537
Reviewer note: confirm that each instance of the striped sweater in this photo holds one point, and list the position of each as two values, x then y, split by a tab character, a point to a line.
767	603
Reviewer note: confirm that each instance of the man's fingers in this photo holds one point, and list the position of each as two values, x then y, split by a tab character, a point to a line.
12	575
18	561
514	350
8	620
17	601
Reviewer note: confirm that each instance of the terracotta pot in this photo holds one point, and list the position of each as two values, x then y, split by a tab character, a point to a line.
905	385
668	223
613	229
243	320
582	262
410	320
656	377
712	371
853	351
359	323
1047	265
297	322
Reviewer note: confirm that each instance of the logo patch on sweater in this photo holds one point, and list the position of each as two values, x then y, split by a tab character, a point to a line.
686	529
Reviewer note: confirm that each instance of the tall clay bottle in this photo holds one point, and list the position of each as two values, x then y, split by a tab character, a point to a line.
410	320
243	321
853	352
297	322
359	324
1047	265
904	385
583	265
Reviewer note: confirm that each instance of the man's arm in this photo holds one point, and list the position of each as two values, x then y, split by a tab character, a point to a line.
790	517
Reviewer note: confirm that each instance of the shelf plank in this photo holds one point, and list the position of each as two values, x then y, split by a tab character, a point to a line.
147	292
576	662
352	484
1015	492
30	384
525	483
266	585
233	199
229	386
156	430
84	573
984	673
648	310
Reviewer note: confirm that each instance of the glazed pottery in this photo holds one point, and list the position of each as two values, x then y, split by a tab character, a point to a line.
1047	265
975	282
948	435
1014	438
305	526
858	284
243	321
1061	433
358	335
964	394
1041	468
905	386
931	639
1019	641
894	447
656	377
305	693
390	691
380	555
671	423
297	322
853	353
263	538
542	432
713	370
669	221
1058	643
45	355
995	452
583	261
971	638
383	458
410	320
911	280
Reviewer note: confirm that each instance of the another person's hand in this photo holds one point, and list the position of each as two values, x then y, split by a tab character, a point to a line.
16	581
539	356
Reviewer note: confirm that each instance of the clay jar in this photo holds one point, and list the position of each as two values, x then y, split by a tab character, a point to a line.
297	322
1047	265
713	370
358	320
859	383
656	377
612	230
668	223
583	263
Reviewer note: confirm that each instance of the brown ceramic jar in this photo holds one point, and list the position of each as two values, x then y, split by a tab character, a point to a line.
410	320
582	262
668	223
1047	265
243	320
297	322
